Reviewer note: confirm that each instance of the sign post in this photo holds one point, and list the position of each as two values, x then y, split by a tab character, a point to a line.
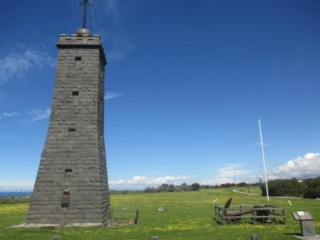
306	223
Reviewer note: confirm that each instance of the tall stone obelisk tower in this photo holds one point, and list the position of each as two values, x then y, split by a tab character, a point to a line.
72	186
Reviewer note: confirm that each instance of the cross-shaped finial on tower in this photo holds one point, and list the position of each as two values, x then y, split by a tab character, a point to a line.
85	4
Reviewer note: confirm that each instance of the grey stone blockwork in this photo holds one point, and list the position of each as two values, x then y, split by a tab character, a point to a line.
72	184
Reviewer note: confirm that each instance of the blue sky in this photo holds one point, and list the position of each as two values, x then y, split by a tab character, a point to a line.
186	83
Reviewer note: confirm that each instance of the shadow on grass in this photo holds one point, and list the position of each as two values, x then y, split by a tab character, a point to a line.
292	234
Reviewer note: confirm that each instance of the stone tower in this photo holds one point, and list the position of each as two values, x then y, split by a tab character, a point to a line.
71	187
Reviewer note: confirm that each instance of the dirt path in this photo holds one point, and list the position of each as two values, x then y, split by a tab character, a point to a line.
251	194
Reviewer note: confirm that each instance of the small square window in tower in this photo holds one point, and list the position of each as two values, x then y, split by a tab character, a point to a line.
71	133
67	175
75	97
77	63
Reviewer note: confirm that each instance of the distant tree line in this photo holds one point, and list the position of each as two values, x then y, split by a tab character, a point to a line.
308	188
230	185
174	188
195	187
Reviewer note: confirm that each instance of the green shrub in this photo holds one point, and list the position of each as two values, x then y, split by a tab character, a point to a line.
284	187
313	188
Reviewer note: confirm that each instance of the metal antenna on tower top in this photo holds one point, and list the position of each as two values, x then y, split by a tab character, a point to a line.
85	4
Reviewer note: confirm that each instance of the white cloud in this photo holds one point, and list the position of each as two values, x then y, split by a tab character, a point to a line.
118	10
141	182
136	182
216	181
39	114
21	61
229	173
231	169
120	44
16	185
110	95
33	115
307	166
120	47
9	115
113	9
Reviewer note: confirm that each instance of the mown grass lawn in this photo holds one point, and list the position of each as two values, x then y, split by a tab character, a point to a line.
187	215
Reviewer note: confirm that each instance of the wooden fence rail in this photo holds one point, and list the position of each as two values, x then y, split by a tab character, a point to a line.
255	213
124	216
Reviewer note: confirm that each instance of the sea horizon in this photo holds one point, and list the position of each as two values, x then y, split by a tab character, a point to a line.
4	194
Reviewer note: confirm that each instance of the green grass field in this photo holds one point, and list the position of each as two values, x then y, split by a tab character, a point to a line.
188	215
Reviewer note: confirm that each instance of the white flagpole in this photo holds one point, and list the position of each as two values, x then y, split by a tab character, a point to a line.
264	163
